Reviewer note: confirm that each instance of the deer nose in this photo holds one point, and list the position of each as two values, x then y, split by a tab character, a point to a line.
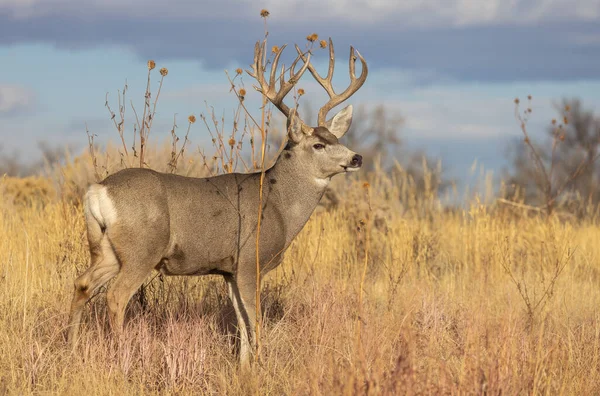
356	160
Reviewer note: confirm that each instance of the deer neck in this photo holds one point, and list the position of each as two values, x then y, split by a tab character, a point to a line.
294	192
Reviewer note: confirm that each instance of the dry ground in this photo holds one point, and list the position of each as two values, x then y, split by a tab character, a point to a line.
478	301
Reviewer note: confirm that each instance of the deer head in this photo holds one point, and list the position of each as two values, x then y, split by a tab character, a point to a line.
317	148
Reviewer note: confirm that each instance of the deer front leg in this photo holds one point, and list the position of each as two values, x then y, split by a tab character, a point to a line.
243	297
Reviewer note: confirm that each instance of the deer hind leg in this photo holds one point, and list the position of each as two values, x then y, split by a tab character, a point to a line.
103	268
135	268
243	297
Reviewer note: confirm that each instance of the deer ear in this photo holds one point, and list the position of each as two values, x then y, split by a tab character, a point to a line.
340	123
294	125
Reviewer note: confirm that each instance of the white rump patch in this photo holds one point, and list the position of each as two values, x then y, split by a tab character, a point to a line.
99	205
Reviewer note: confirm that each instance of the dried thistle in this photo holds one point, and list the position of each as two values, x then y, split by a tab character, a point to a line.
275	49
231	142
301	92
242	92
164	71
239	71
554	121
151	64
312	37
567	108
517	101
264	13
565	120
323	44
192	119
529	97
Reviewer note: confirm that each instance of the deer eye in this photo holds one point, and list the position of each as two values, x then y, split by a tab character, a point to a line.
318	146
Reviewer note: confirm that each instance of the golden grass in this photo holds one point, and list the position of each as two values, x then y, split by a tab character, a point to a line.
440	312
22	191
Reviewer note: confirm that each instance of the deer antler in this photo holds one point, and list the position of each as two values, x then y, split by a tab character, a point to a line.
355	83
268	89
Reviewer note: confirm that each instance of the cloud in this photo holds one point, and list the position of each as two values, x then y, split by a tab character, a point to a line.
15	99
496	40
428	13
408	12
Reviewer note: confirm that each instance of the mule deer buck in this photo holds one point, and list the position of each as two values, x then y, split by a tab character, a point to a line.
139	220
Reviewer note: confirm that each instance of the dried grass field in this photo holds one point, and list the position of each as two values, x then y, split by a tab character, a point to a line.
385	293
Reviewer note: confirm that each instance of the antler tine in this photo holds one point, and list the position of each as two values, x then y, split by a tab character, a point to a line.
269	89
272	78
293	67
364	69
285	87
331	61
324	82
282	76
355	83
254	65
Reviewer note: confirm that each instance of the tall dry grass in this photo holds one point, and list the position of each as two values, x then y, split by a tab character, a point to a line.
383	292
444	306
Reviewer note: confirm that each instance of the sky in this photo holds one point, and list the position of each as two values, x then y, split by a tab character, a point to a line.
450	68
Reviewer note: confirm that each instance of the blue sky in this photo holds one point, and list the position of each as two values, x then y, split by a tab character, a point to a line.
450	68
